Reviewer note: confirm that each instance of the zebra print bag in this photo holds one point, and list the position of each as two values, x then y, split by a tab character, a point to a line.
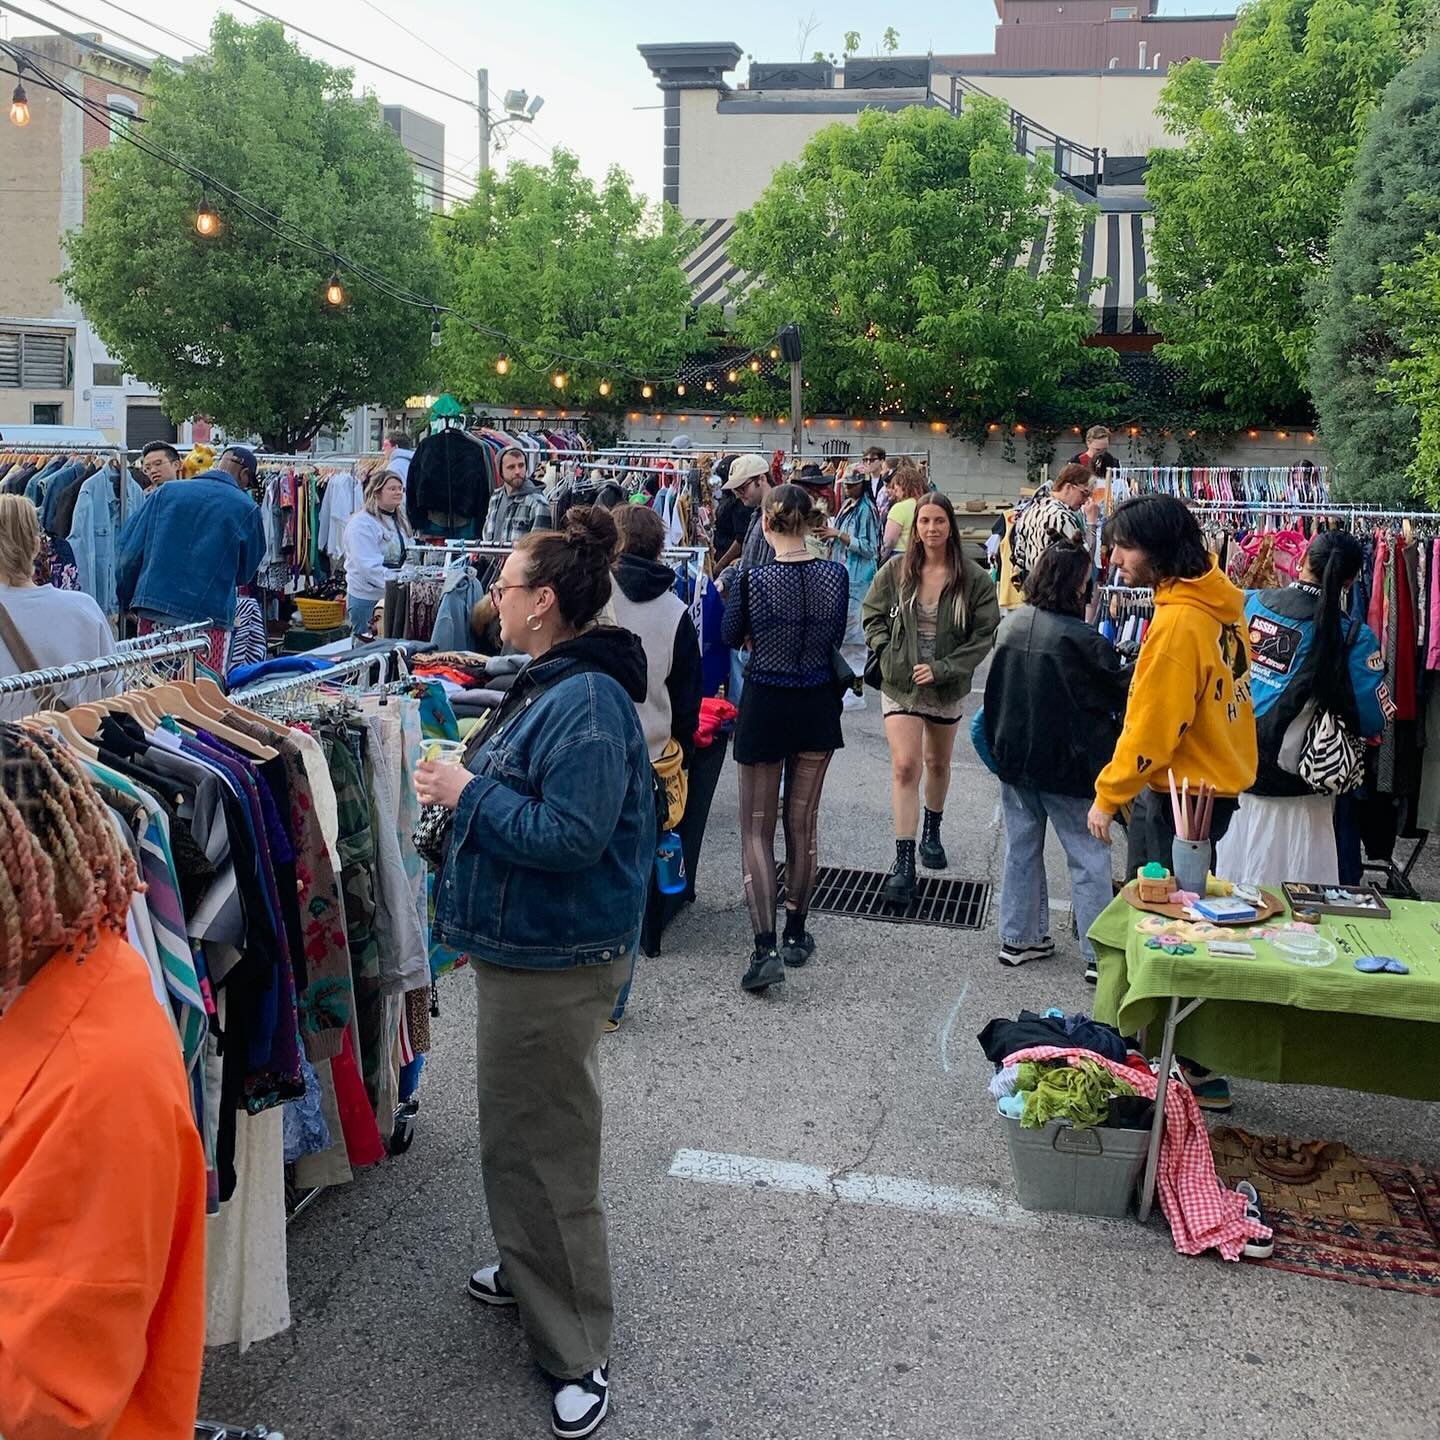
1332	760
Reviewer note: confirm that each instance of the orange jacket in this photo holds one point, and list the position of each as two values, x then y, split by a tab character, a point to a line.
102	1209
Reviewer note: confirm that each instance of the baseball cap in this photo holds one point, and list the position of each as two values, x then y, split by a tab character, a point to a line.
746	469
245	455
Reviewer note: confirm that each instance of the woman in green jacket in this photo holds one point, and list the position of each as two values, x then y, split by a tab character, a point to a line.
930	617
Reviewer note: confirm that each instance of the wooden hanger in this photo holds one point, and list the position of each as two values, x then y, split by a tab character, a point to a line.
67	724
178	705
208	696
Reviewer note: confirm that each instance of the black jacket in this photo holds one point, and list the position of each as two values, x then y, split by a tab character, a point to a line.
449	483
1054	702
641	580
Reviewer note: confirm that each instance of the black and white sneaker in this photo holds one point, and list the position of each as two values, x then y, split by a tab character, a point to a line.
797	949
1022	954
578	1406
765	970
489	1287
1092	972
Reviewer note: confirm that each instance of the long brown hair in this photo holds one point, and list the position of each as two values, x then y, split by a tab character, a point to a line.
914	559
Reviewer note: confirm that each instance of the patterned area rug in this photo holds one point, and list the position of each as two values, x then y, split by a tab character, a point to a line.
1340	1215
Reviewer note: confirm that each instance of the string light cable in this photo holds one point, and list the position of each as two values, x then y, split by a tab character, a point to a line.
290	233
97	46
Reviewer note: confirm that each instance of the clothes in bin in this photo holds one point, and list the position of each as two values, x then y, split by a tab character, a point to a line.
1092	1171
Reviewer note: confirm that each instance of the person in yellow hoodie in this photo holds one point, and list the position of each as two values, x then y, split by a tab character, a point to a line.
1190	708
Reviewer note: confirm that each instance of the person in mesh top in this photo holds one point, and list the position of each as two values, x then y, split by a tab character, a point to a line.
791	613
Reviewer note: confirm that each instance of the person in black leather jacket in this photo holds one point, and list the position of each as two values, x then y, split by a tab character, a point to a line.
1053	707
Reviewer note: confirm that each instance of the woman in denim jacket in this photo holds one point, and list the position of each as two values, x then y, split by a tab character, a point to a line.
544	888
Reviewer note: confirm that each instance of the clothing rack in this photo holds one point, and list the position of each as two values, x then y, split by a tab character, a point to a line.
106	665
288	686
214	1430
162	637
1292	484
1332	510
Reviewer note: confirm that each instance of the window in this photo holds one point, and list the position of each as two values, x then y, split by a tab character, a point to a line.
1124	12
424	189
44	414
122	116
108	373
34	360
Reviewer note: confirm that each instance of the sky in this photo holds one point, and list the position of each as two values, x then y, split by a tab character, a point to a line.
600	99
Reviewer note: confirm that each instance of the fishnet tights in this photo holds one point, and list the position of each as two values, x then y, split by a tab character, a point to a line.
759	809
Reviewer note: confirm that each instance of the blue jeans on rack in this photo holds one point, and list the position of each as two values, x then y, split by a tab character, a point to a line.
1024	896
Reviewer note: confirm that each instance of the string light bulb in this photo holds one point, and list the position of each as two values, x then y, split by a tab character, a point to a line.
774	354
733	376
207	222
755	365
435	332
680	388
19	105
334	291
558	379
647	391
709	384
502	366
604	387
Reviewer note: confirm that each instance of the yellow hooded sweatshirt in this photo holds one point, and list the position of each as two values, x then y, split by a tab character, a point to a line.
1189	708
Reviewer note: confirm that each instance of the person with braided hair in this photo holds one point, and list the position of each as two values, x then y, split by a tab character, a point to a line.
102	1176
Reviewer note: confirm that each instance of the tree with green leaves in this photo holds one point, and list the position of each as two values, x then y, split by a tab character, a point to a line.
1412	302
235	326
1370	426
575	269
1245	206
893	244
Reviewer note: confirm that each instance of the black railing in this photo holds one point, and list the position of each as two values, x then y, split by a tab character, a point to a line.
1081	165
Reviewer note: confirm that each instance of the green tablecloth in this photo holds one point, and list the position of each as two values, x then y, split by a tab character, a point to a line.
1268	1019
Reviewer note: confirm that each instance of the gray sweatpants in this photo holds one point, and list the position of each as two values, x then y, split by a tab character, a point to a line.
538	1087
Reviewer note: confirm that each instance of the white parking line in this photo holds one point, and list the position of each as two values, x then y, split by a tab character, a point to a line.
706	1167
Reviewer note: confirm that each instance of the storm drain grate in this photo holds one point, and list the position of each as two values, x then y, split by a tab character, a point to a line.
959	904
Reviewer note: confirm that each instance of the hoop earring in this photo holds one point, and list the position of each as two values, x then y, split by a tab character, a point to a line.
534	624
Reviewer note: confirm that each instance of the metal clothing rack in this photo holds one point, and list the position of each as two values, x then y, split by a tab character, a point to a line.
295	686
1331	510
162	637
214	1430
105	665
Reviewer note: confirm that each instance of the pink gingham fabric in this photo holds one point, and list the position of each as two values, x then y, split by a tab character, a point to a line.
1202	1215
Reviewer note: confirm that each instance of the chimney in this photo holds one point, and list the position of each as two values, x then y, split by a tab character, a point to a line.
1144	53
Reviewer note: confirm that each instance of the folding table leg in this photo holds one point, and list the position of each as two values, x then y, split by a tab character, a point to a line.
1157	1125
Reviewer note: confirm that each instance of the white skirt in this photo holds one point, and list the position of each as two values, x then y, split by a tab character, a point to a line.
1277	838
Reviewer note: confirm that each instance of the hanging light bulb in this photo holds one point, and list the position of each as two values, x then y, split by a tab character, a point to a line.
604	387
502	366
755	365
334	291
709	384
19	105
558	380
733	376
435	332
680	388
647	391
207	222
774	354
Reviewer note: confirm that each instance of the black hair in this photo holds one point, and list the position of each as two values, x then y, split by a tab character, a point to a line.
164	447
1060	581
1334	559
1165	532
574	562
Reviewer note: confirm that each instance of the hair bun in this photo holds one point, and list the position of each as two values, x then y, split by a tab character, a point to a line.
591	529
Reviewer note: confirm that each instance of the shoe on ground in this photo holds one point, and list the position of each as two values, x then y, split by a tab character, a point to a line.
932	857
1013	955
1092	972
1211	1091
797	950
765	970
578	1406
1255	1249
611	1025
488	1286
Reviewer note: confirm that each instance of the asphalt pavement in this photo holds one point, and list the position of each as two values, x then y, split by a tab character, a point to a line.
838	1251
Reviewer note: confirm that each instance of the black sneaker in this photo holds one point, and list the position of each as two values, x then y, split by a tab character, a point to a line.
765	970
1022	954
578	1406
1092	972
797	949
489	1287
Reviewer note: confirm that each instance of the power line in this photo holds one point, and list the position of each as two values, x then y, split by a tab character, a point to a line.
435	50
87	20
156	25
363	59
18	51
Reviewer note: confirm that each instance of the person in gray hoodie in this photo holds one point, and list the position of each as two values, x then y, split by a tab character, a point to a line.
519	505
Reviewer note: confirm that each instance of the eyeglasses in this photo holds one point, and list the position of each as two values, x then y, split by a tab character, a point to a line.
497	591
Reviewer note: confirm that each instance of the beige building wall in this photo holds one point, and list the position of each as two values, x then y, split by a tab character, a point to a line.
1111	112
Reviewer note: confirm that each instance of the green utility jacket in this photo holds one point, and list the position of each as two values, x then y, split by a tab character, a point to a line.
892	632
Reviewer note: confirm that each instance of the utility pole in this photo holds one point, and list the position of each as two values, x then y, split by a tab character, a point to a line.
483	80
790	350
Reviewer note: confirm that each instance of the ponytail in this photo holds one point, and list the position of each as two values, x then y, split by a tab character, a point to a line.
1333	559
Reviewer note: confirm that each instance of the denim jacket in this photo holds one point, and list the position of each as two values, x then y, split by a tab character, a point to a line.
93	529
554	838
183	552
